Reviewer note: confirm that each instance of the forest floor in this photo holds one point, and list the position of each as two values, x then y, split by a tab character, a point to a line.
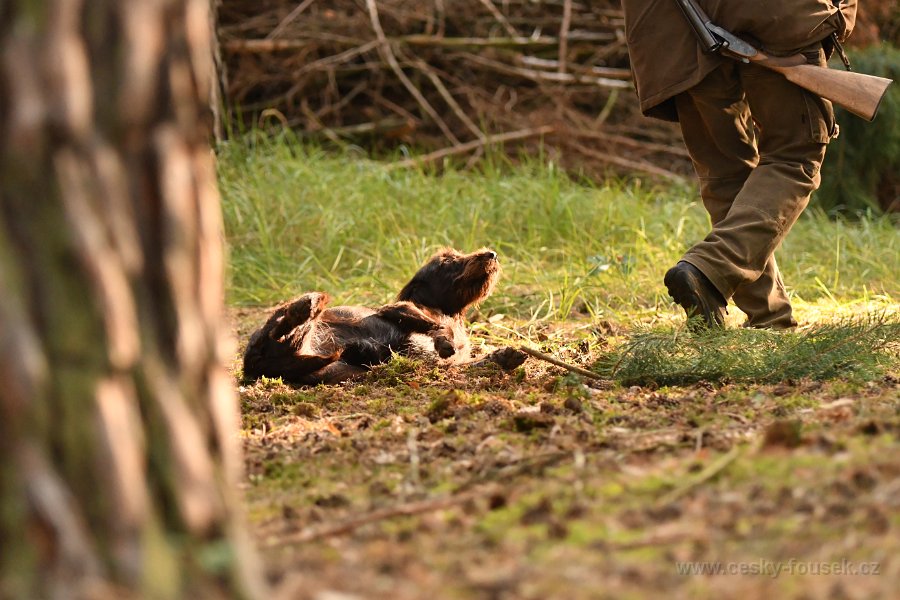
425	482
419	481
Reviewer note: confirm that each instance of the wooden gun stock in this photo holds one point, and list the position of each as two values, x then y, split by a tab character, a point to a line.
858	93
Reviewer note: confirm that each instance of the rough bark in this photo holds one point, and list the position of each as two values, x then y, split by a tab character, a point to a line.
118	422
219	81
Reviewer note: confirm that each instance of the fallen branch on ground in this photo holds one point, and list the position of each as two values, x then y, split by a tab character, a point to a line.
559	363
703	476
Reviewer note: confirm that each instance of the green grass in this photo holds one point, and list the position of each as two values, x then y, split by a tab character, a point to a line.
299	219
855	350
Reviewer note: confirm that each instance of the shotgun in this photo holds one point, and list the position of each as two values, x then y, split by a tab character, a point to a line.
858	93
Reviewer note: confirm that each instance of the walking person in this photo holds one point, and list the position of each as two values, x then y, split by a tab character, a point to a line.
756	140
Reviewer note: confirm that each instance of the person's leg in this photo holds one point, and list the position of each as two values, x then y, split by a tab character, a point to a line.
737	256
765	301
718	133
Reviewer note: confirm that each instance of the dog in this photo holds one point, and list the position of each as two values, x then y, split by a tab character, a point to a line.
306	342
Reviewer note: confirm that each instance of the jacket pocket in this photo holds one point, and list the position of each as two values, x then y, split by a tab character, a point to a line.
820	116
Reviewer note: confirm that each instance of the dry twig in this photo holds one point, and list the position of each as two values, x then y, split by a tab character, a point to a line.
631	165
290	18
564	35
387	53
555	361
469	146
703	476
500	18
448	98
546	76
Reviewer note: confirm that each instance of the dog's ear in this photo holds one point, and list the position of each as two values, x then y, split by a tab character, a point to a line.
423	292
411	291
421	288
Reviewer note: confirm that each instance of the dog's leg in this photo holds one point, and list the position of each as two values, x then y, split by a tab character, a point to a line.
296	312
282	357
408	317
278	358
451	340
445	332
301	368
272	349
336	372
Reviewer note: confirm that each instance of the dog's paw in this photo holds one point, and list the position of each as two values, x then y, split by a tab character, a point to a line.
306	307
444	347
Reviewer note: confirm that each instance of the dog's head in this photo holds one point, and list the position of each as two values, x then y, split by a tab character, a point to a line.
451	281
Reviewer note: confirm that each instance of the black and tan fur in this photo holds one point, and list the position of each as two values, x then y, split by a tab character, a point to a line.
305	342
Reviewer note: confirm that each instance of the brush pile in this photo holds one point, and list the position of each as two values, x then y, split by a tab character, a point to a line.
454	77
448	76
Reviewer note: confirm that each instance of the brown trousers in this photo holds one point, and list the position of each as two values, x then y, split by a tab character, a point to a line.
754	182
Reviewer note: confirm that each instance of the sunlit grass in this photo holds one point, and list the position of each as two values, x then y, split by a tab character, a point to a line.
298	219
859	348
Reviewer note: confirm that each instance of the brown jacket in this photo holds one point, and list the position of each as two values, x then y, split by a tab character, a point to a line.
667	60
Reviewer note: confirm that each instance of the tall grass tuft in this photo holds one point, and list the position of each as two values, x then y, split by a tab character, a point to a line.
858	349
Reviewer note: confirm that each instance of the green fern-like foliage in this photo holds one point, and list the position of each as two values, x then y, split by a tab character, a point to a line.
862	166
859	350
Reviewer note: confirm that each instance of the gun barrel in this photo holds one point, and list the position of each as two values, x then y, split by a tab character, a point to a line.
698	20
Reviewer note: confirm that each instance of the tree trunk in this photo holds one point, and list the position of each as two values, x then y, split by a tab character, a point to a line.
118	422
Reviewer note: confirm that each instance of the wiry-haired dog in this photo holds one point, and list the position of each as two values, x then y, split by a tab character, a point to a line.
305	342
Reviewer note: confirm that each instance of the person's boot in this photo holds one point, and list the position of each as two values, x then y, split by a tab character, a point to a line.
696	294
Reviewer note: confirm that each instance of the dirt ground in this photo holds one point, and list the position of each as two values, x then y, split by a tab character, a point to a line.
423	482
